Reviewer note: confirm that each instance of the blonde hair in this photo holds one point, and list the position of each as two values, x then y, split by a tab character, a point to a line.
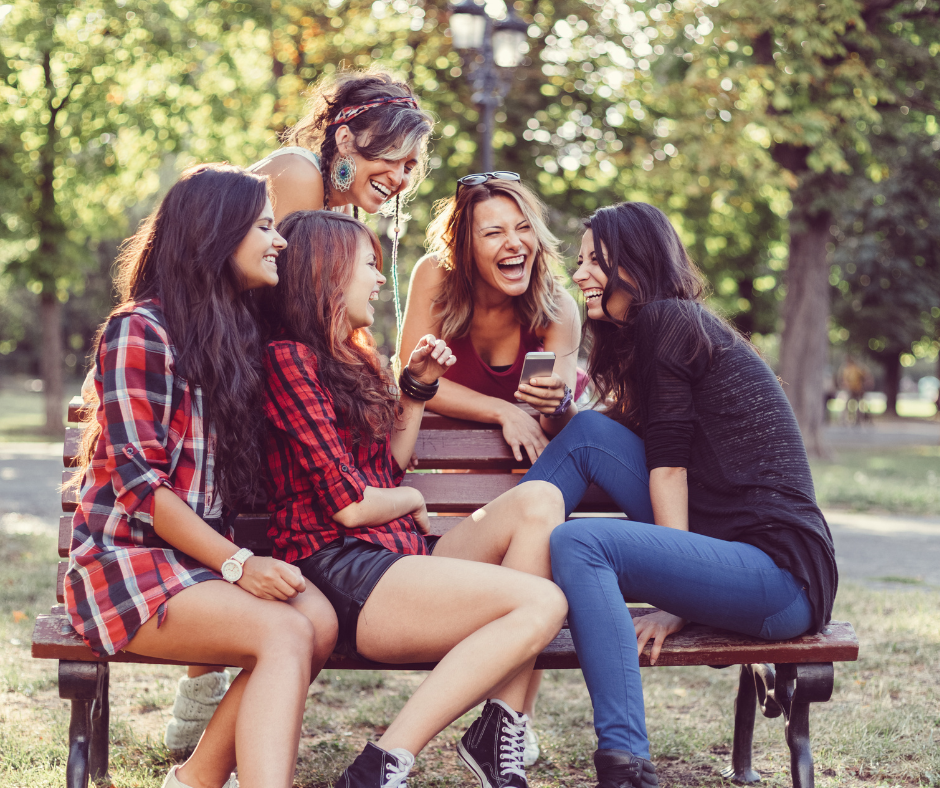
390	131
450	240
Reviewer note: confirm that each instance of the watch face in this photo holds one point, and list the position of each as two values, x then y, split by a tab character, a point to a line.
231	571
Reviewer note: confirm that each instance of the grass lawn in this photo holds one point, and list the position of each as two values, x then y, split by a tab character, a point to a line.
882	727
896	480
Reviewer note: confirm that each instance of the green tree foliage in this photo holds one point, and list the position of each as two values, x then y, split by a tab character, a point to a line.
887	261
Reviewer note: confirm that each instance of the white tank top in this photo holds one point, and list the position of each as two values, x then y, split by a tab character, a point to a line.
309	155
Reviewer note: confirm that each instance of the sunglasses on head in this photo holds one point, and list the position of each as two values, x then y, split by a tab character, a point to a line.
482	177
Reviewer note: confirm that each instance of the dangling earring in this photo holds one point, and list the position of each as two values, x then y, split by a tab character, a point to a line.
343	173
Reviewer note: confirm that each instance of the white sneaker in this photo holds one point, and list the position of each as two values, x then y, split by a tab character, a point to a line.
531	752
172	781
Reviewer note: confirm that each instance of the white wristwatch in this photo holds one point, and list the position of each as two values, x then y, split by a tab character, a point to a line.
232	567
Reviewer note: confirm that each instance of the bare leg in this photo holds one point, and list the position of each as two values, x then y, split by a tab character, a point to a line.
531	693
484	624
276	645
514	531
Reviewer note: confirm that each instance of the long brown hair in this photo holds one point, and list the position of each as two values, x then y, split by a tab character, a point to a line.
389	131
643	244
450	240
181	255
307	306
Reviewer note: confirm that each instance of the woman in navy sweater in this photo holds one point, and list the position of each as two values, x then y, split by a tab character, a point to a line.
700	448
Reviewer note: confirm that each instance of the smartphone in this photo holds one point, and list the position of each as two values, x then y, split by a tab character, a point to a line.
537	365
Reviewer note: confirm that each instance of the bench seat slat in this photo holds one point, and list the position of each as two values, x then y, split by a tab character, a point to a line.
54	638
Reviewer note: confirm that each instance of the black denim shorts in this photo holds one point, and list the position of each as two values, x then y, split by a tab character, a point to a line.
346	571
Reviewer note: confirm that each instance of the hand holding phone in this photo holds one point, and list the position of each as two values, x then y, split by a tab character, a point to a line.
537	365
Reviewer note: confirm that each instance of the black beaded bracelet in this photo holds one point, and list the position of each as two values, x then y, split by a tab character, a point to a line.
414	388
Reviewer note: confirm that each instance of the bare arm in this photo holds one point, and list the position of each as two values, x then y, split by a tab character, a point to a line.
182	528
296	183
669	494
453	399
380	505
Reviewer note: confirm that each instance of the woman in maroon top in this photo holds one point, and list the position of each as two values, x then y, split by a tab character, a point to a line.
487	287
168	453
338	439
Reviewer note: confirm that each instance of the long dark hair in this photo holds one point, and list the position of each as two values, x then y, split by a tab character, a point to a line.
181	255
389	131
644	245
307	306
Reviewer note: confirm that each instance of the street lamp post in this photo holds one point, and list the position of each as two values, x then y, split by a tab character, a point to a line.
501	45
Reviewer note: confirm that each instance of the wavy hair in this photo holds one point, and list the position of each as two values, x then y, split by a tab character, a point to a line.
644	245
390	131
308	306
450	240
182	256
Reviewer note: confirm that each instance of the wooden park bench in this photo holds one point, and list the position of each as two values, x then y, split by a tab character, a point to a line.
781	678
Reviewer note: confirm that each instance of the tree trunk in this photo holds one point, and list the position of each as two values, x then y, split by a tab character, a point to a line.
892	368
52	361
804	345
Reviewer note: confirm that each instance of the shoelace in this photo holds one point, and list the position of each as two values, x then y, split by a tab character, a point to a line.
513	747
396	772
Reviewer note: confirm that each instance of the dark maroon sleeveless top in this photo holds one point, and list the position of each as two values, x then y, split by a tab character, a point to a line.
471	371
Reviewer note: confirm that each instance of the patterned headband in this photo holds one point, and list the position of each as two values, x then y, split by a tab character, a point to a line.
348	113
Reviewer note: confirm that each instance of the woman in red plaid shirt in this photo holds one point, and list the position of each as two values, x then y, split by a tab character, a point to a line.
168	453
338	439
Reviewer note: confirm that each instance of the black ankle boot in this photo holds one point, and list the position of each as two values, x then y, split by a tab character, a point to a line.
621	769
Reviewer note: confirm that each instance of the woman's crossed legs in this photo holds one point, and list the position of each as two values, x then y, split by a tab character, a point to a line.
280	647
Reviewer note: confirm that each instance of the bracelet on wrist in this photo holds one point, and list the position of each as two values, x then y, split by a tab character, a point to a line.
562	406
414	388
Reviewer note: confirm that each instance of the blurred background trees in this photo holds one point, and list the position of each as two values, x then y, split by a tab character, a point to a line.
793	143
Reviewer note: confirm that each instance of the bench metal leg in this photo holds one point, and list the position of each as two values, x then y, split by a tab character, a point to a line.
745	707
86	685
797	687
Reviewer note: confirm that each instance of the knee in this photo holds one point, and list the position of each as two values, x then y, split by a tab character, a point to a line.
546	608
586	423
287	635
543	504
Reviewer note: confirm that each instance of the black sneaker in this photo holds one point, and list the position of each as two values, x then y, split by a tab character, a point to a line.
493	746
376	768
622	769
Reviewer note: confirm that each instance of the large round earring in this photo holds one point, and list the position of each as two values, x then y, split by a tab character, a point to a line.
343	173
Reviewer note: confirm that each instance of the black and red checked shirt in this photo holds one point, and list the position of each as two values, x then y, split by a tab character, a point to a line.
315	468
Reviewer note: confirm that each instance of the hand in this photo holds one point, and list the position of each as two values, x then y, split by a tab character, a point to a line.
520	429
659	626
545	394
430	359
413	462
269	578
420	516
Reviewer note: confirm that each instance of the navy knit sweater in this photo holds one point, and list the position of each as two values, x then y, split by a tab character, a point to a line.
724	417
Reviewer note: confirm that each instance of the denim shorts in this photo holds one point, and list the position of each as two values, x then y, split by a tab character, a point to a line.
347	570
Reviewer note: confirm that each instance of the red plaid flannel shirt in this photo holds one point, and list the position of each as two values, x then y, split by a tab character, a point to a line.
315	468
152	433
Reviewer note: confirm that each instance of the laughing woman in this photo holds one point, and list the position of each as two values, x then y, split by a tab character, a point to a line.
167	454
337	442
701	450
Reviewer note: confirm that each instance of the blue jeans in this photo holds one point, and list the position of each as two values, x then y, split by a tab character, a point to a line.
597	562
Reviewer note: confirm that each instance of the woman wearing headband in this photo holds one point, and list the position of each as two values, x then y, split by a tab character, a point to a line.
362	143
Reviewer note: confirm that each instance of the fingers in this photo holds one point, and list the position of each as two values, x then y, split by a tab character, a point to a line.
657	645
